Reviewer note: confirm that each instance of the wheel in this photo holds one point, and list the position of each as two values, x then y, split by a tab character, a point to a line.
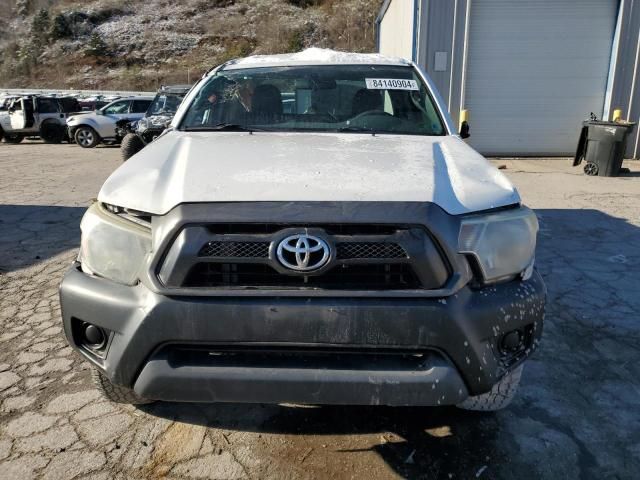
130	145
116	393
86	137
498	397
13	137
52	132
591	168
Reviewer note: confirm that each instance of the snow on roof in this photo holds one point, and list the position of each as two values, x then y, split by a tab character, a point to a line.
314	56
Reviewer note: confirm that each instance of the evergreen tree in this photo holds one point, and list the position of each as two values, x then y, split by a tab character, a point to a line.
96	46
60	27
40	27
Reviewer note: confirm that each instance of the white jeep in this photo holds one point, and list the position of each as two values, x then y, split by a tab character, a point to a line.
89	129
37	116
311	229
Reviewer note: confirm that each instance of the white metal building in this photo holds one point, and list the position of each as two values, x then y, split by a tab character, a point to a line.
527	71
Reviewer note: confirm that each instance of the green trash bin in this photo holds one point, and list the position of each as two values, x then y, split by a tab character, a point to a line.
601	146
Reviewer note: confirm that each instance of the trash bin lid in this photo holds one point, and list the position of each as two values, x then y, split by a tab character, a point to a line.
587	123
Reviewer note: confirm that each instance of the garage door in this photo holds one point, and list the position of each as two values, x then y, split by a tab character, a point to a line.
536	69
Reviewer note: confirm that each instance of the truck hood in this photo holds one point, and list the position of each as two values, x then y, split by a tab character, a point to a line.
189	167
80	114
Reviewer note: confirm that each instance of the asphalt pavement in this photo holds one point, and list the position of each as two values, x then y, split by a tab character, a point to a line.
576	416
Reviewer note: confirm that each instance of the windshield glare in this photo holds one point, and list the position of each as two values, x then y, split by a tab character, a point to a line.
335	98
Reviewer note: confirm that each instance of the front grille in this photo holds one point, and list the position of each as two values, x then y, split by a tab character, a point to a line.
385	276
326	358
345	250
243	256
235	250
364	250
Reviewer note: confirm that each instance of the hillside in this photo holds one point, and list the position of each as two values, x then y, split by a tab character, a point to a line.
140	44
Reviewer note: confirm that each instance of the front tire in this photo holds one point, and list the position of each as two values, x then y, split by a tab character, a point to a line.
86	137
130	145
498	397
116	393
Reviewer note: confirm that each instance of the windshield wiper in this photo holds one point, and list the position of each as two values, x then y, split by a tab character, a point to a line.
229	127
351	128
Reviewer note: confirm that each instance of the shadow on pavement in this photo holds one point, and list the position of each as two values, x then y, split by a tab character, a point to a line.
30	234
416	442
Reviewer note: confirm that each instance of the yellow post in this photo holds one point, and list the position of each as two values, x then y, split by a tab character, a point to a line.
464	117
617	115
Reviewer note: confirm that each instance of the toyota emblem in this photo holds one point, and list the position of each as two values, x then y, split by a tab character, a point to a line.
303	253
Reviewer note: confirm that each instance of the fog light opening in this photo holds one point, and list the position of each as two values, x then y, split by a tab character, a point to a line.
511	341
94	337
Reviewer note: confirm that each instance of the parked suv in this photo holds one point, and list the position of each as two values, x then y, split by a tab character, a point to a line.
89	129
37	116
347	249
136	134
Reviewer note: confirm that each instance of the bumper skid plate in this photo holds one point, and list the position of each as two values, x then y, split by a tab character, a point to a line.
214	377
461	335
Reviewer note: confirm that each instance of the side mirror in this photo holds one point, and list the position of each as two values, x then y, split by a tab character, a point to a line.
464	130
99	112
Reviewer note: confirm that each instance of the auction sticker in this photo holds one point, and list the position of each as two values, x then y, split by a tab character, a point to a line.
391	84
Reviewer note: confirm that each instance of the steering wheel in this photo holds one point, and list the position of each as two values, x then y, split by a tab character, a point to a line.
321	116
369	113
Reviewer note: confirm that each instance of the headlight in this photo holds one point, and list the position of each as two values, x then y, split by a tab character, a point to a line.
142	125
160	121
112	247
503	243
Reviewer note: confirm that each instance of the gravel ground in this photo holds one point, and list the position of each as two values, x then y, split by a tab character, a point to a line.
576	415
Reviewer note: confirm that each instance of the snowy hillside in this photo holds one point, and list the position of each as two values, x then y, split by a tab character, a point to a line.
140	44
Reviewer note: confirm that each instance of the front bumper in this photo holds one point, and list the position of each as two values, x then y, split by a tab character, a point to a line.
284	349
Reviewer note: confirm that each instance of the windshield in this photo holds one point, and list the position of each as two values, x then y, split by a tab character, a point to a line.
165	103
116	108
333	98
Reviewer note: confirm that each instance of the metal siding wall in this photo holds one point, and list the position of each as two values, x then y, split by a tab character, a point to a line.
396	29
627	68
423	27
457	74
439	39
437	34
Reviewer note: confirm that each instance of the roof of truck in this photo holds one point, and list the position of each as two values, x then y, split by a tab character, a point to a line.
174	89
314	56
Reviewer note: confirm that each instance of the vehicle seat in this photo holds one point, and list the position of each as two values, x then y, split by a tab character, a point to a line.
266	103
365	100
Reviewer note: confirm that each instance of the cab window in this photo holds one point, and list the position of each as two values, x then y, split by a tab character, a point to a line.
140	106
47	105
70	105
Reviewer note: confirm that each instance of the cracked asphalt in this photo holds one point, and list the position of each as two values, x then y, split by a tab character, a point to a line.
576	416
